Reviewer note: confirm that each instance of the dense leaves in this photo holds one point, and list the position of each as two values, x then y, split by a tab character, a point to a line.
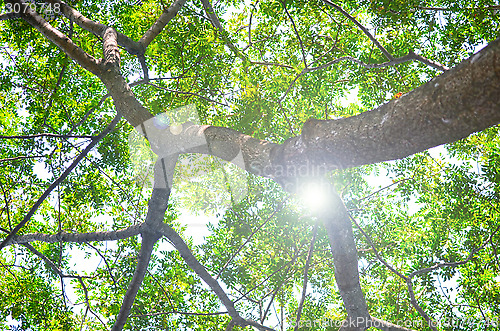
431	208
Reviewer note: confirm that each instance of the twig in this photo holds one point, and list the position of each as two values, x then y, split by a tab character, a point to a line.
377	254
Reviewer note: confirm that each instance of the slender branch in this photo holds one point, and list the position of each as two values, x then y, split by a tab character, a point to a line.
9	16
362	28
417	307
297	34
409	57
15	158
289	264
224	35
277	209
186	93
162	21
175	312
306	270
493	7
271	64
59	180
377	254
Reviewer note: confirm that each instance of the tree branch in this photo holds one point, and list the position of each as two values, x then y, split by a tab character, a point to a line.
223	34
148	241
98	29
111	52
162	21
9	16
297	34
78	237
339	229
48	135
59	39
306	270
362	28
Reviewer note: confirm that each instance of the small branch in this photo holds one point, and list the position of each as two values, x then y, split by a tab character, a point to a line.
306	270
200	270
59	180
9	16
399	60
280	206
362	28
377	254
297	34
145	69
288	264
384	188
174	312
272	64
22	158
417	307
224	35
162	21
187	93
494	7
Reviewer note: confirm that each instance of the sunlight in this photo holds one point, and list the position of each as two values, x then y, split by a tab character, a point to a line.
314	195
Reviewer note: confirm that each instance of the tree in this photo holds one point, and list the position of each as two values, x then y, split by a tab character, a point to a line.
83	81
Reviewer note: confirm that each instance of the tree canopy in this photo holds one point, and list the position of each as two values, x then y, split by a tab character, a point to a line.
121	120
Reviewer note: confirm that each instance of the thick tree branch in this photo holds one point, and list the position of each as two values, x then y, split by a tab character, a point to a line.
148	241
461	101
98	29
111	52
339	229
62	41
61	178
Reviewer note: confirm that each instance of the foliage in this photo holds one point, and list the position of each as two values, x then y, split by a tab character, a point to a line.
436	209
